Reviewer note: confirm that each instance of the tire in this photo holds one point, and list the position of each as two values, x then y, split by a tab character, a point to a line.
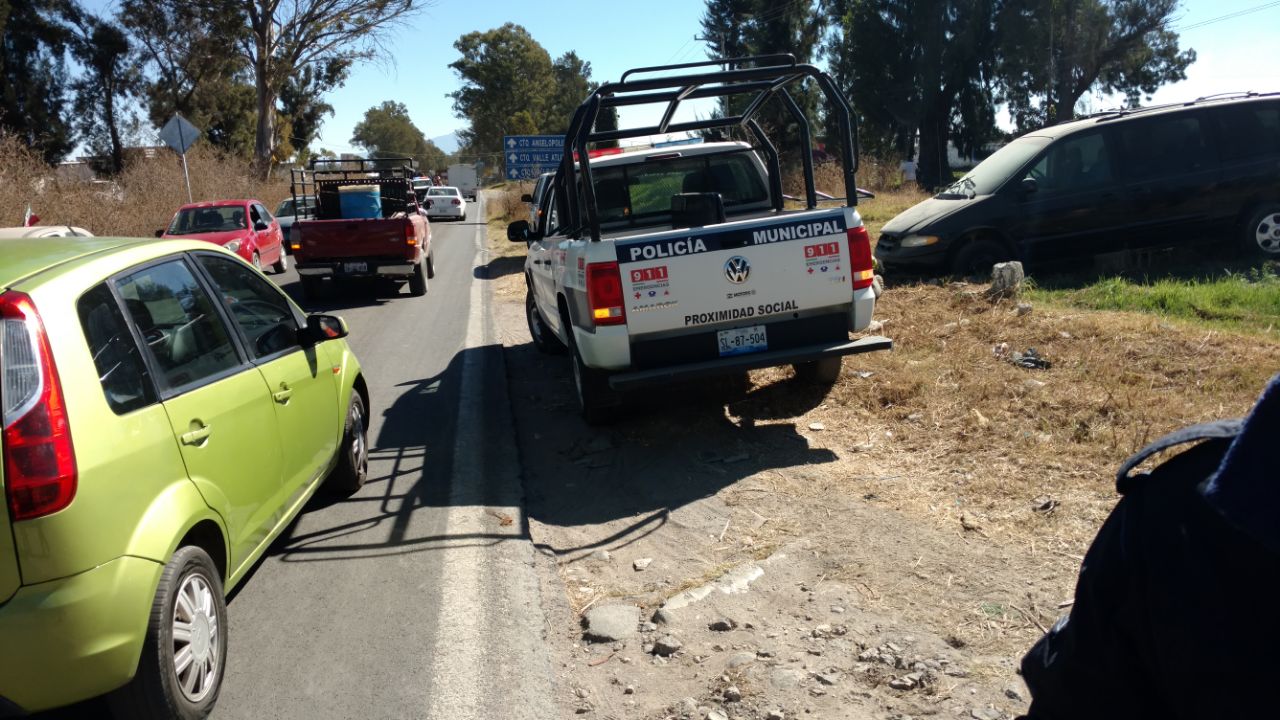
349	474
281	265
825	371
418	281
257	261
312	287
1261	236
975	258
597	402
543	339
431	265
189	595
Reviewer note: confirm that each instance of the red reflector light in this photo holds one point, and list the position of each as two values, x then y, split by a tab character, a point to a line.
860	262
39	459
604	294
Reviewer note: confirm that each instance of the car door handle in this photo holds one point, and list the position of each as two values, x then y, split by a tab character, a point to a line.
197	436
283	394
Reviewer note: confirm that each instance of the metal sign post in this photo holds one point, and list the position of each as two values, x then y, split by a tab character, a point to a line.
527	156
179	134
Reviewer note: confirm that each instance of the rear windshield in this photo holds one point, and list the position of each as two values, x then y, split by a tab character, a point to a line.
212	219
641	193
442	191
993	172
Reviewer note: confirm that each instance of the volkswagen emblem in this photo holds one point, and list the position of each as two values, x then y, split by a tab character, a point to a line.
737	269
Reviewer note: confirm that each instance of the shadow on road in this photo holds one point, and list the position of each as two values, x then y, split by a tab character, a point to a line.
345	295
499	267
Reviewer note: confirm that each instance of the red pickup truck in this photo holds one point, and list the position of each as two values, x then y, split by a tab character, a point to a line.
366	222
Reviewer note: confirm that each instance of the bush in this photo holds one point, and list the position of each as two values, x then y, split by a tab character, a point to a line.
144	197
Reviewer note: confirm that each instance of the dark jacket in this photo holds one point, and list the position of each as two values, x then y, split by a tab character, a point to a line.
1175	612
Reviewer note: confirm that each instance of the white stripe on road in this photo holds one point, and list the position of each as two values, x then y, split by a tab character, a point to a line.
490	655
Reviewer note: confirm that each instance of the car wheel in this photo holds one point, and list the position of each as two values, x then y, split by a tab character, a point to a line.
257	261
976	257
543	339
431	265
1262	233
820	372
353	457
184	654
418	281
281	265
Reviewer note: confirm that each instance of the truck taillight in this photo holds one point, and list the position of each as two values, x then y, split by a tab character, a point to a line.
604	294
860	262
410	237
39	459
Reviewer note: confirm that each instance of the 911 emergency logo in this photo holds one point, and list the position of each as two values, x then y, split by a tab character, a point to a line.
822	258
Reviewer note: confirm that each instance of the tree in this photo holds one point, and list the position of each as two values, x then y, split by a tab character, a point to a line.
283	38
301	108
917	66
185	48
387	131
32	75
111	78
504	72
738	28
1052	52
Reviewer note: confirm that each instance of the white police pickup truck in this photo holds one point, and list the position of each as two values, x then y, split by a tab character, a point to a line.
680	262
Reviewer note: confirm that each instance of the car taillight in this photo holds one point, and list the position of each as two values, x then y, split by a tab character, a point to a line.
39	460
410	238
457	201
604	294
860	261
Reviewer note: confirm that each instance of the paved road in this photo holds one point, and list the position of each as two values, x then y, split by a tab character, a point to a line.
412	598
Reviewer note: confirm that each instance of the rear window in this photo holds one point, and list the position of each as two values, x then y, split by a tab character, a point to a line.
210	219
1249	130
125	380
435	192
642	192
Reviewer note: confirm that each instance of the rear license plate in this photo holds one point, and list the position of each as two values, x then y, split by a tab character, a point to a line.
740	341
355	267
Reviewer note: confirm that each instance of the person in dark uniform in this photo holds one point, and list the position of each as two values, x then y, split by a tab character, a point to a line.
1175	608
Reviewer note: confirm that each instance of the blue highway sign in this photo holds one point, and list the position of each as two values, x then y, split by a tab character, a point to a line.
528	156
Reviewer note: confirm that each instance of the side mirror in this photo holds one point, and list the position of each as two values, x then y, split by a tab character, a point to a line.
260	226
520	231
323	327
526	198
1029	185
160	232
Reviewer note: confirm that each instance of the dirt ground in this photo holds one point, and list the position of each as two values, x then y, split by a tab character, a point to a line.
907	534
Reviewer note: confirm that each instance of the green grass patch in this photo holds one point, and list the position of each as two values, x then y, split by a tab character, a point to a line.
1247	300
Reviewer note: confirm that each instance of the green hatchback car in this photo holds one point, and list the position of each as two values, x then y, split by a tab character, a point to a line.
167	411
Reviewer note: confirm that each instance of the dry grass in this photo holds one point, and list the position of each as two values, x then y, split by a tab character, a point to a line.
149	191
942	427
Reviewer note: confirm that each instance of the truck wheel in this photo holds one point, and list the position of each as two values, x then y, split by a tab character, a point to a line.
431	264
820	372
543	339
184	653
353	455
281	265
597	402
312	287
418	281
1262	233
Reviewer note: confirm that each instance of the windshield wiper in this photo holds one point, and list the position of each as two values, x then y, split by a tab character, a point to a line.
964	186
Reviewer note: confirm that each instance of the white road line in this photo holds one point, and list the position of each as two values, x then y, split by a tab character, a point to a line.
489	658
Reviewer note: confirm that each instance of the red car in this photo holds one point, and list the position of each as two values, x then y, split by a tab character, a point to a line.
244	227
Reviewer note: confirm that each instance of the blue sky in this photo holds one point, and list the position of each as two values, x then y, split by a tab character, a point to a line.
1233	54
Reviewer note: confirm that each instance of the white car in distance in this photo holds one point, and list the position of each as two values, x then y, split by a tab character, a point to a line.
446	202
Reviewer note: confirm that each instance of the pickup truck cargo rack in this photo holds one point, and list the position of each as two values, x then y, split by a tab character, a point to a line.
323	176
763	77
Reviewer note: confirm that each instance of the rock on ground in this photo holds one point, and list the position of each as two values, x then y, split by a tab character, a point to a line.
610	623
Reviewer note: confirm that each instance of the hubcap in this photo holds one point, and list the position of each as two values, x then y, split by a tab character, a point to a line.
1267	234
196	659
359	451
